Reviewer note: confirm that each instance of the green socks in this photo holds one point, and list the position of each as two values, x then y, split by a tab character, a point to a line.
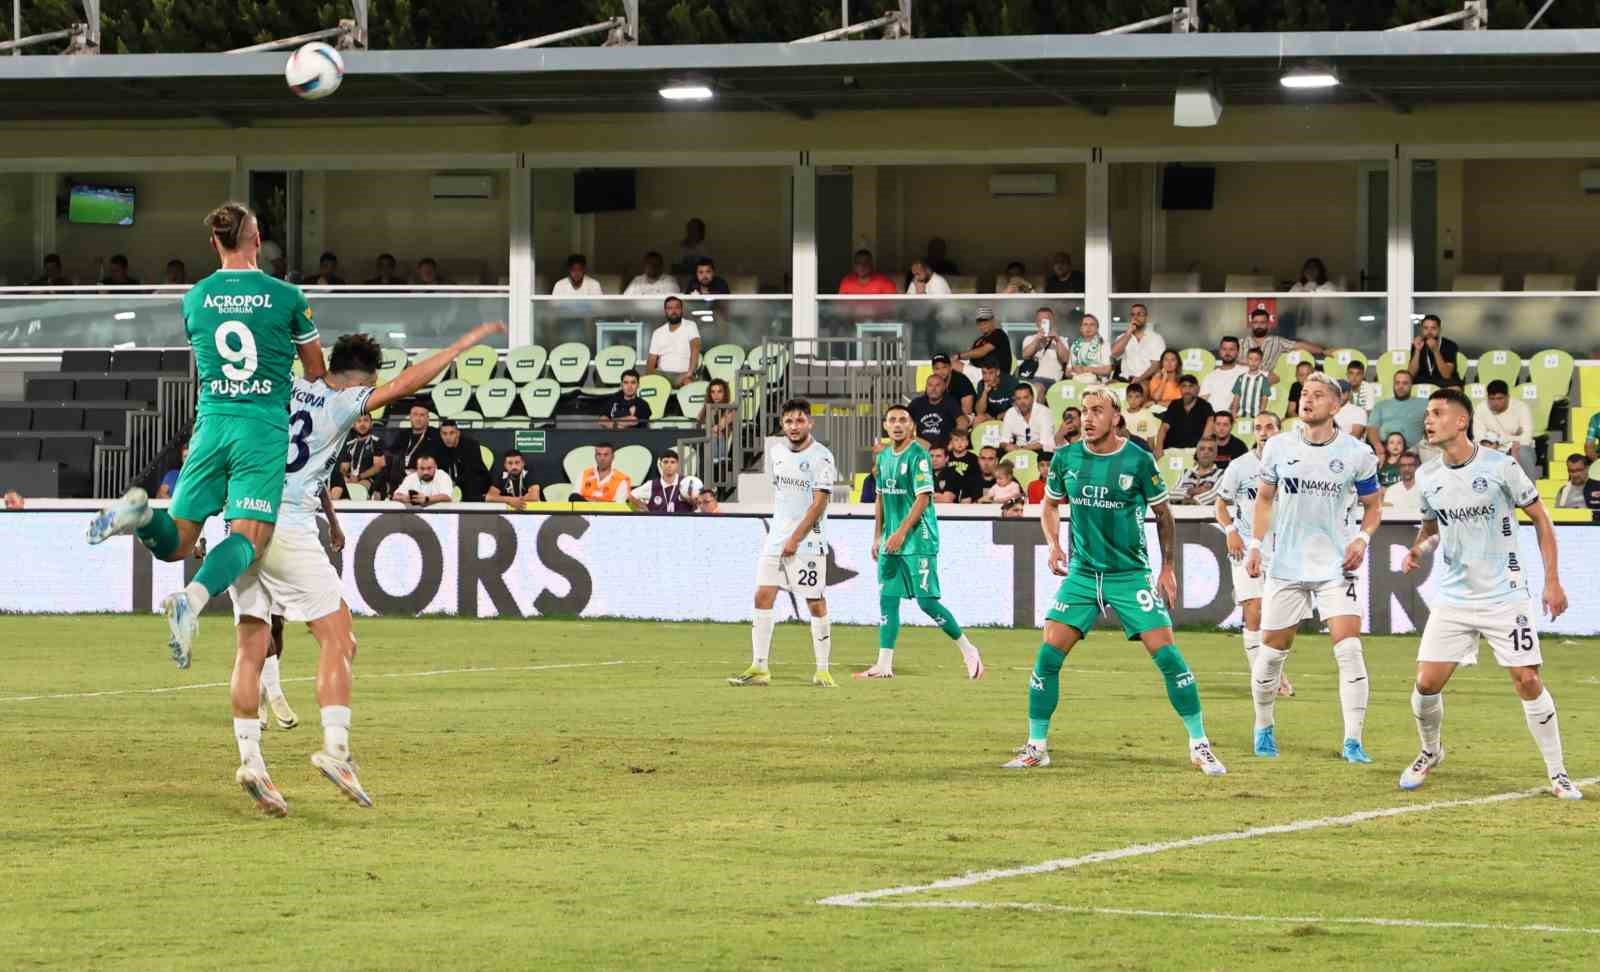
888	622
1181	689
224	563
935	609
1044	691
160	535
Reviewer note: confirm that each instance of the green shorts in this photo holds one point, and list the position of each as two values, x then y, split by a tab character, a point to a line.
902	575
235	467
1129	594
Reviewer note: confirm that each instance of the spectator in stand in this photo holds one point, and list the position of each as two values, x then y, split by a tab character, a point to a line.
1350	418
668	492
864	278
1015	509
721	426
996	395
1062	279
674	346
938	258
52	276
1272	346
362	461
1229	446
1140	348
1505	426
936	414
950	485
1014	280
925	281
577	282
961	457
1090	354
328	271
957	385
1071	428
462	459
14	501
1363	393
654	281
426	273
513	487
1198	484
117	272
1186	421
1045	352
388	273
1301	370
706	280
1251	389
1005	488
1138	415
601	483
692	249
1314	279
177	273
1165	386
271	260
1401	412
169	482
1394	446
1433	357
992	346
1403	496
1027	426
1217	387
413	442
625	409
988	469
1579	491
707	503
426	485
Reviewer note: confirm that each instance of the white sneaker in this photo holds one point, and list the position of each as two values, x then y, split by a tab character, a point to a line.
342	774
875	672
280	708
1417	773
184	622
1563	788
975	667
258	787
1205	760
1029	757
123	516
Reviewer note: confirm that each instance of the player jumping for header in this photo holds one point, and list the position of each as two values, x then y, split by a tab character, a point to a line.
905	543
1108	481
1315	467
1469	498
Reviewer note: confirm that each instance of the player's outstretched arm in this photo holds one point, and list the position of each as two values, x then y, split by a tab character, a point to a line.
311	359
1167	540
1230	530
1555	598
412	380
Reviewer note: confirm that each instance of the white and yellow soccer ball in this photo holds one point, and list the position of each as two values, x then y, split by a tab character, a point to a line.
314	71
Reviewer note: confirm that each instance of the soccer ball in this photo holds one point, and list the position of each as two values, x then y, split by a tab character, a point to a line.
314	71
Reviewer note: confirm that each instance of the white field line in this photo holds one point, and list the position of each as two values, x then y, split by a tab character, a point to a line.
1219	916
858	899
311	678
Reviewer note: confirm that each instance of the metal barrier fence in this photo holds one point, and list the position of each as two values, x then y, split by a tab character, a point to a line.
147	435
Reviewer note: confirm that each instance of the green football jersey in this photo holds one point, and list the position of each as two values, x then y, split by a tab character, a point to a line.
243	327
900	478
1108	496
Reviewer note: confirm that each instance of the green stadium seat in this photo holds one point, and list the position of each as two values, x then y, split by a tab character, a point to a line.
610	363
394	362
526	363
1505	366
1551	370
356	491
1478	392
724	361
422	353
1198	362
1338	360
1589	384
1538	406
773	359
569	363
468	419
556	493
487	454
656	391
923	371
496	396
691	398
540	397
1064	393
1025	463
1461	365
635	460
986	434
576	461
1391	361
857	486
1278	399
1173	464
476	364
451	398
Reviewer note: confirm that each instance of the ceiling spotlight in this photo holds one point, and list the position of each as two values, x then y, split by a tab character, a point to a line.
686	92
1318	77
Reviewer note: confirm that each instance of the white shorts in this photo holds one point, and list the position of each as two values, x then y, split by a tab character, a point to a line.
1452	634
1285	604
293	578
1245	587
803	574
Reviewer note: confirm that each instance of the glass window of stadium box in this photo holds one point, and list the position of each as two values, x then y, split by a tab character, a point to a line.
1505	253
1008	237
641	232
1203	243
18	263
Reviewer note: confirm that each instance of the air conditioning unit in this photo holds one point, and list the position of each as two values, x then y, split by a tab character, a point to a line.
462	186
1589	179
1022	184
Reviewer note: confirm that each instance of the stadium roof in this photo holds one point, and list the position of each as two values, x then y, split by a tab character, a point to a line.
1096	73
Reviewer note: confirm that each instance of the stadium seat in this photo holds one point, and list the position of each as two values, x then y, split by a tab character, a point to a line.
102	390
487	454
495	397
135	360
1477	392
1249	283
1538	407
175	361
1423	390
476	364
857	484
1278	399
1025	463
1503	365
540	397
86	361
1563	282
19	448
691	399
142	389
920	381
49	389
656	391
59	419
77	454
962	284
451	398
1198	362
394	362
986	434
356	491
1063	395
1478	282
1551	370
1391	361
772	359
611	362
635	460
1173	463
422	354
569	363
455	494
1290	422
556	493
744	283
526	363
724	361
1175	283
15	418
1340	359
576	461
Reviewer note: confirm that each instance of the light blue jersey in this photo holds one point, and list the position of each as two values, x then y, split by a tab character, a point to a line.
1315	486
319	419
1238	490
1475	506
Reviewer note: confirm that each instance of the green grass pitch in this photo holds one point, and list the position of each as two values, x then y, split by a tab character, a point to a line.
539	809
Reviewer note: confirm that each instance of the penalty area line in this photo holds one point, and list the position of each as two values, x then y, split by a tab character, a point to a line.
312	678
862	899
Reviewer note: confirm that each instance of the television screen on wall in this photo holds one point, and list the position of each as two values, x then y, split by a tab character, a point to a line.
603	190
100	205
1188	186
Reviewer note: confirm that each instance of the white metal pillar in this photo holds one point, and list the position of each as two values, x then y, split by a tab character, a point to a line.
1402	257
1097	240
803	272
520	321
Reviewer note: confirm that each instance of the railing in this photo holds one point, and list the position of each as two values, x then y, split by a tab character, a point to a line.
1333	320
116	467
943	324
742	319
1520	321
852	379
